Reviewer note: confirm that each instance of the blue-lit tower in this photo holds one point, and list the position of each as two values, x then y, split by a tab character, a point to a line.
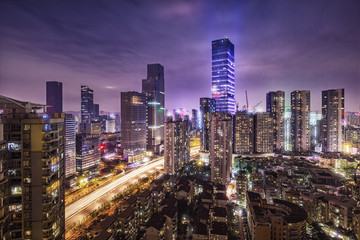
223	75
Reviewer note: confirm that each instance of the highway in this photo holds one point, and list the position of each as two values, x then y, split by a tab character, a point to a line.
75	212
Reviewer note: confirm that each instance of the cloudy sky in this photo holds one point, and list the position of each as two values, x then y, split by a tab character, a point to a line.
279	45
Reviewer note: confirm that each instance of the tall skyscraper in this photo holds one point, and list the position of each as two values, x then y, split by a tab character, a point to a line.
264	133
206	109
177	146
333	120
87	104
154	90
223	75
221	147
275	106
133	125
243	133
34	149
70	145
300	121
54	98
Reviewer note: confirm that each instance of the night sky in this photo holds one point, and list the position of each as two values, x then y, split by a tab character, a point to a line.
279	45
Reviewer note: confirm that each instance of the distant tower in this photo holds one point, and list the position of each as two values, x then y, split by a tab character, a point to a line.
87	104
333	117
275	106
154	89
206	108
221	147
300	121
133	125
54	97
223	75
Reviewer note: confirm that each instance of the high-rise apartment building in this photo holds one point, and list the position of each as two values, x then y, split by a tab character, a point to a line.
70	145
154	90
206	109
87	104
177	145
275	106
223	75
221	147
333	120
243	133
264	133
133	125
34	153
4	214
300	121
54	98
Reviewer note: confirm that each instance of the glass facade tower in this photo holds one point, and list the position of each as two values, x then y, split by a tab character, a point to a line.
87	103
223	75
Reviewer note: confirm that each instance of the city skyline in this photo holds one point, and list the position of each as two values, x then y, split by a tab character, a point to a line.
270	53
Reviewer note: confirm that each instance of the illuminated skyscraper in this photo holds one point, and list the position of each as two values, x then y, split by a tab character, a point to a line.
154	89
221	147
34	151
54	97
275	106
70	145
206	109
243	133
177	146
333	118
87	104
223	75
133	125
300	121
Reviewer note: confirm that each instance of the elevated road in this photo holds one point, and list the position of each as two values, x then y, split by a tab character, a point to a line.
75	212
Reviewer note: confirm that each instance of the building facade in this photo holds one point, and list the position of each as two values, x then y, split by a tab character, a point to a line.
133	125
153	87
87	151
223	75
54	97
221	147
263	133
177	146
34	153
315	125
275	106
243	133
207	107
333	114
300	121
